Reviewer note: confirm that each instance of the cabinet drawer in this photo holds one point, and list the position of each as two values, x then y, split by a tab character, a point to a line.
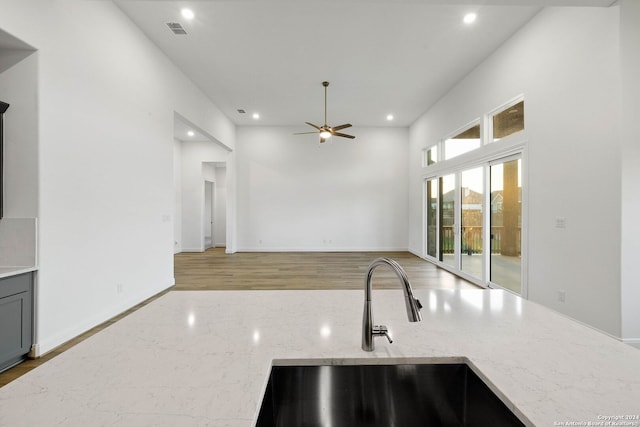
15	284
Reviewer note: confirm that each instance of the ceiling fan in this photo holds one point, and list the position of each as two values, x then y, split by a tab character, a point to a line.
325	130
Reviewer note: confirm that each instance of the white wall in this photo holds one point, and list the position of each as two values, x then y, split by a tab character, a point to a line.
209	176
565	62
630	149
107	98
293	194
194	155
220	225
177	188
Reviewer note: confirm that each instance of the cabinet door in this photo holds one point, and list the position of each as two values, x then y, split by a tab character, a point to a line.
15	318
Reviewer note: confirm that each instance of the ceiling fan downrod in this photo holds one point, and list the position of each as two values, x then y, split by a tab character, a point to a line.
325	84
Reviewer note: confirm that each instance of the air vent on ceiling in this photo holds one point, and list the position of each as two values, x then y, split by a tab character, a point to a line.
177	28
241	111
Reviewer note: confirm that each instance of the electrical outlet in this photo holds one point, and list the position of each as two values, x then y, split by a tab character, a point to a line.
561	222
562	295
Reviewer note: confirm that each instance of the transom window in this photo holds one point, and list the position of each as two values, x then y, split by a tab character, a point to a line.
430	155
501	123
508	121
463	142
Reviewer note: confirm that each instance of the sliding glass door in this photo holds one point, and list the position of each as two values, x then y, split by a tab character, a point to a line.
506	224
474	222
448	206
432	210
471	221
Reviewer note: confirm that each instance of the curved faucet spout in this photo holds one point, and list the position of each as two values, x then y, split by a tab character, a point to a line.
369	331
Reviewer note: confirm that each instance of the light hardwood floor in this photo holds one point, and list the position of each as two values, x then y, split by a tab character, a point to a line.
215	270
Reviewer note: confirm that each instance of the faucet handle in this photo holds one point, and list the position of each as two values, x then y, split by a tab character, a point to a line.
379	330
418	303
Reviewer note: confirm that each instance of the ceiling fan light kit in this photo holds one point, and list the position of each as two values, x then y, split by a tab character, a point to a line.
325	131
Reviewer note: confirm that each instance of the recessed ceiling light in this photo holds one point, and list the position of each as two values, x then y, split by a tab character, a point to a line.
469	18
187	13
191	133
389	117
256	116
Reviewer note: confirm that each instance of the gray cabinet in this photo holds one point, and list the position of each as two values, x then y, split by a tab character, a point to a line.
16	308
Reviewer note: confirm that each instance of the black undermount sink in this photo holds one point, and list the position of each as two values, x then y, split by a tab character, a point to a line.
402	395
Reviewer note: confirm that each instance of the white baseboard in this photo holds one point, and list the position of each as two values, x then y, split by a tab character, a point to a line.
633	342
319	249
34	352
416	253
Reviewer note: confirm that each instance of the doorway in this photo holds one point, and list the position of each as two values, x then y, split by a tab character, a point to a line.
200	180
209	214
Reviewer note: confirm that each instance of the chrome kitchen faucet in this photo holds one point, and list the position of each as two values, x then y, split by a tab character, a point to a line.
413	304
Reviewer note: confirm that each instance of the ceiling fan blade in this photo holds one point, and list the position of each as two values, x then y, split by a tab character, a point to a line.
344	126
312	125
304	133
344	135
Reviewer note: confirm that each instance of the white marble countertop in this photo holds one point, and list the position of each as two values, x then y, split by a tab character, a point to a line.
202	358
14	271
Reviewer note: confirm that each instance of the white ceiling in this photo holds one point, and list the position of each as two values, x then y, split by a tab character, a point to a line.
380	56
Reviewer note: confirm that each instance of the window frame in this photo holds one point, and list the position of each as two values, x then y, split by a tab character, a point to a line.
500	109
442	150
